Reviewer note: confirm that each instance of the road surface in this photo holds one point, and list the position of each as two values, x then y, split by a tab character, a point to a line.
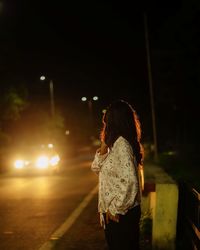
36	209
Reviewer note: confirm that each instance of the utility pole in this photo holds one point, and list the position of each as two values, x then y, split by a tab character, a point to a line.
151	88
51	89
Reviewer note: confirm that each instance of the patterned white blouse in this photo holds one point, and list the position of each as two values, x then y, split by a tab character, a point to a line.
119	188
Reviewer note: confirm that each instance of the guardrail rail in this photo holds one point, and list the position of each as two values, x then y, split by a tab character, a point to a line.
188	227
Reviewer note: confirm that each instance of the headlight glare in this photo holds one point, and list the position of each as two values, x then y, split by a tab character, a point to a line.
19	164
42	162
54	160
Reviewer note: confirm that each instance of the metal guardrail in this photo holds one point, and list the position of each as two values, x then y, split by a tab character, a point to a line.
189	216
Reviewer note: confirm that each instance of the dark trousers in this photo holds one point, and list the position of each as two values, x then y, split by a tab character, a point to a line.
124	235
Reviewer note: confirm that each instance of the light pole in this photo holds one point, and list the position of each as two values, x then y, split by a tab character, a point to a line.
151	88
94	98
90	105
51	92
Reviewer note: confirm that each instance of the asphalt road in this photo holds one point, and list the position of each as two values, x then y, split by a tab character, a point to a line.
33	208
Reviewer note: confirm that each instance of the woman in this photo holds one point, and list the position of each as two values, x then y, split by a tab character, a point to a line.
118	162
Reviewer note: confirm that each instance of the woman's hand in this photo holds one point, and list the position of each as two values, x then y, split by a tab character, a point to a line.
109	216
103	149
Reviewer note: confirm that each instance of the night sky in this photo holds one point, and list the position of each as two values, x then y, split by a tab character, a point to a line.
98	48
90	45
86	47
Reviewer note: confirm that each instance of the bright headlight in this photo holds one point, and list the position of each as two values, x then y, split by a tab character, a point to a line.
42	162
19	164
54	160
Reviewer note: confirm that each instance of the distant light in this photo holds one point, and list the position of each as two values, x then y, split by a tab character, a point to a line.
84	98
67	132
19	164
171	153
54	160
42	78
95	98
42	162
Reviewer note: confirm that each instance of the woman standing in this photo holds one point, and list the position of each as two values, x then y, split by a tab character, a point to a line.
118	162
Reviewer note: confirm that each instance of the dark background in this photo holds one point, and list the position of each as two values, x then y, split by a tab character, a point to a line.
98	48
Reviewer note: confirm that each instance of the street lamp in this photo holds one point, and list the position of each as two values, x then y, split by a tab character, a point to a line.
151	88
51	92
90	102
94	98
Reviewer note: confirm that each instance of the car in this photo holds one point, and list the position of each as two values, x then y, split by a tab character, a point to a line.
39	159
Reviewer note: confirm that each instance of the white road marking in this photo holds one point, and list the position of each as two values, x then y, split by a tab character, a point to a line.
50	244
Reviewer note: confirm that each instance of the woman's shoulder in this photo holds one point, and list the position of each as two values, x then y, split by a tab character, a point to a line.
121	141
122	146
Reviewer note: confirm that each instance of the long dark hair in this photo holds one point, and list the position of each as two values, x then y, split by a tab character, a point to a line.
120	119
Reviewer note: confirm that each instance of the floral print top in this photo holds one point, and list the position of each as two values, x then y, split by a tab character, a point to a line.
119	188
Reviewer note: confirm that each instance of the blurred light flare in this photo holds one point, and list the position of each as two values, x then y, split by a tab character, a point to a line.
67	132
95	98
84	98
54	160
42	78
42	162
19	164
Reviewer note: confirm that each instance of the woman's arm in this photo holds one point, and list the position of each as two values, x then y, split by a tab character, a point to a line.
99	158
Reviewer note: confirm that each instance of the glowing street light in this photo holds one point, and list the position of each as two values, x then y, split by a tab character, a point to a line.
90	102
42	78
94	98
84	99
